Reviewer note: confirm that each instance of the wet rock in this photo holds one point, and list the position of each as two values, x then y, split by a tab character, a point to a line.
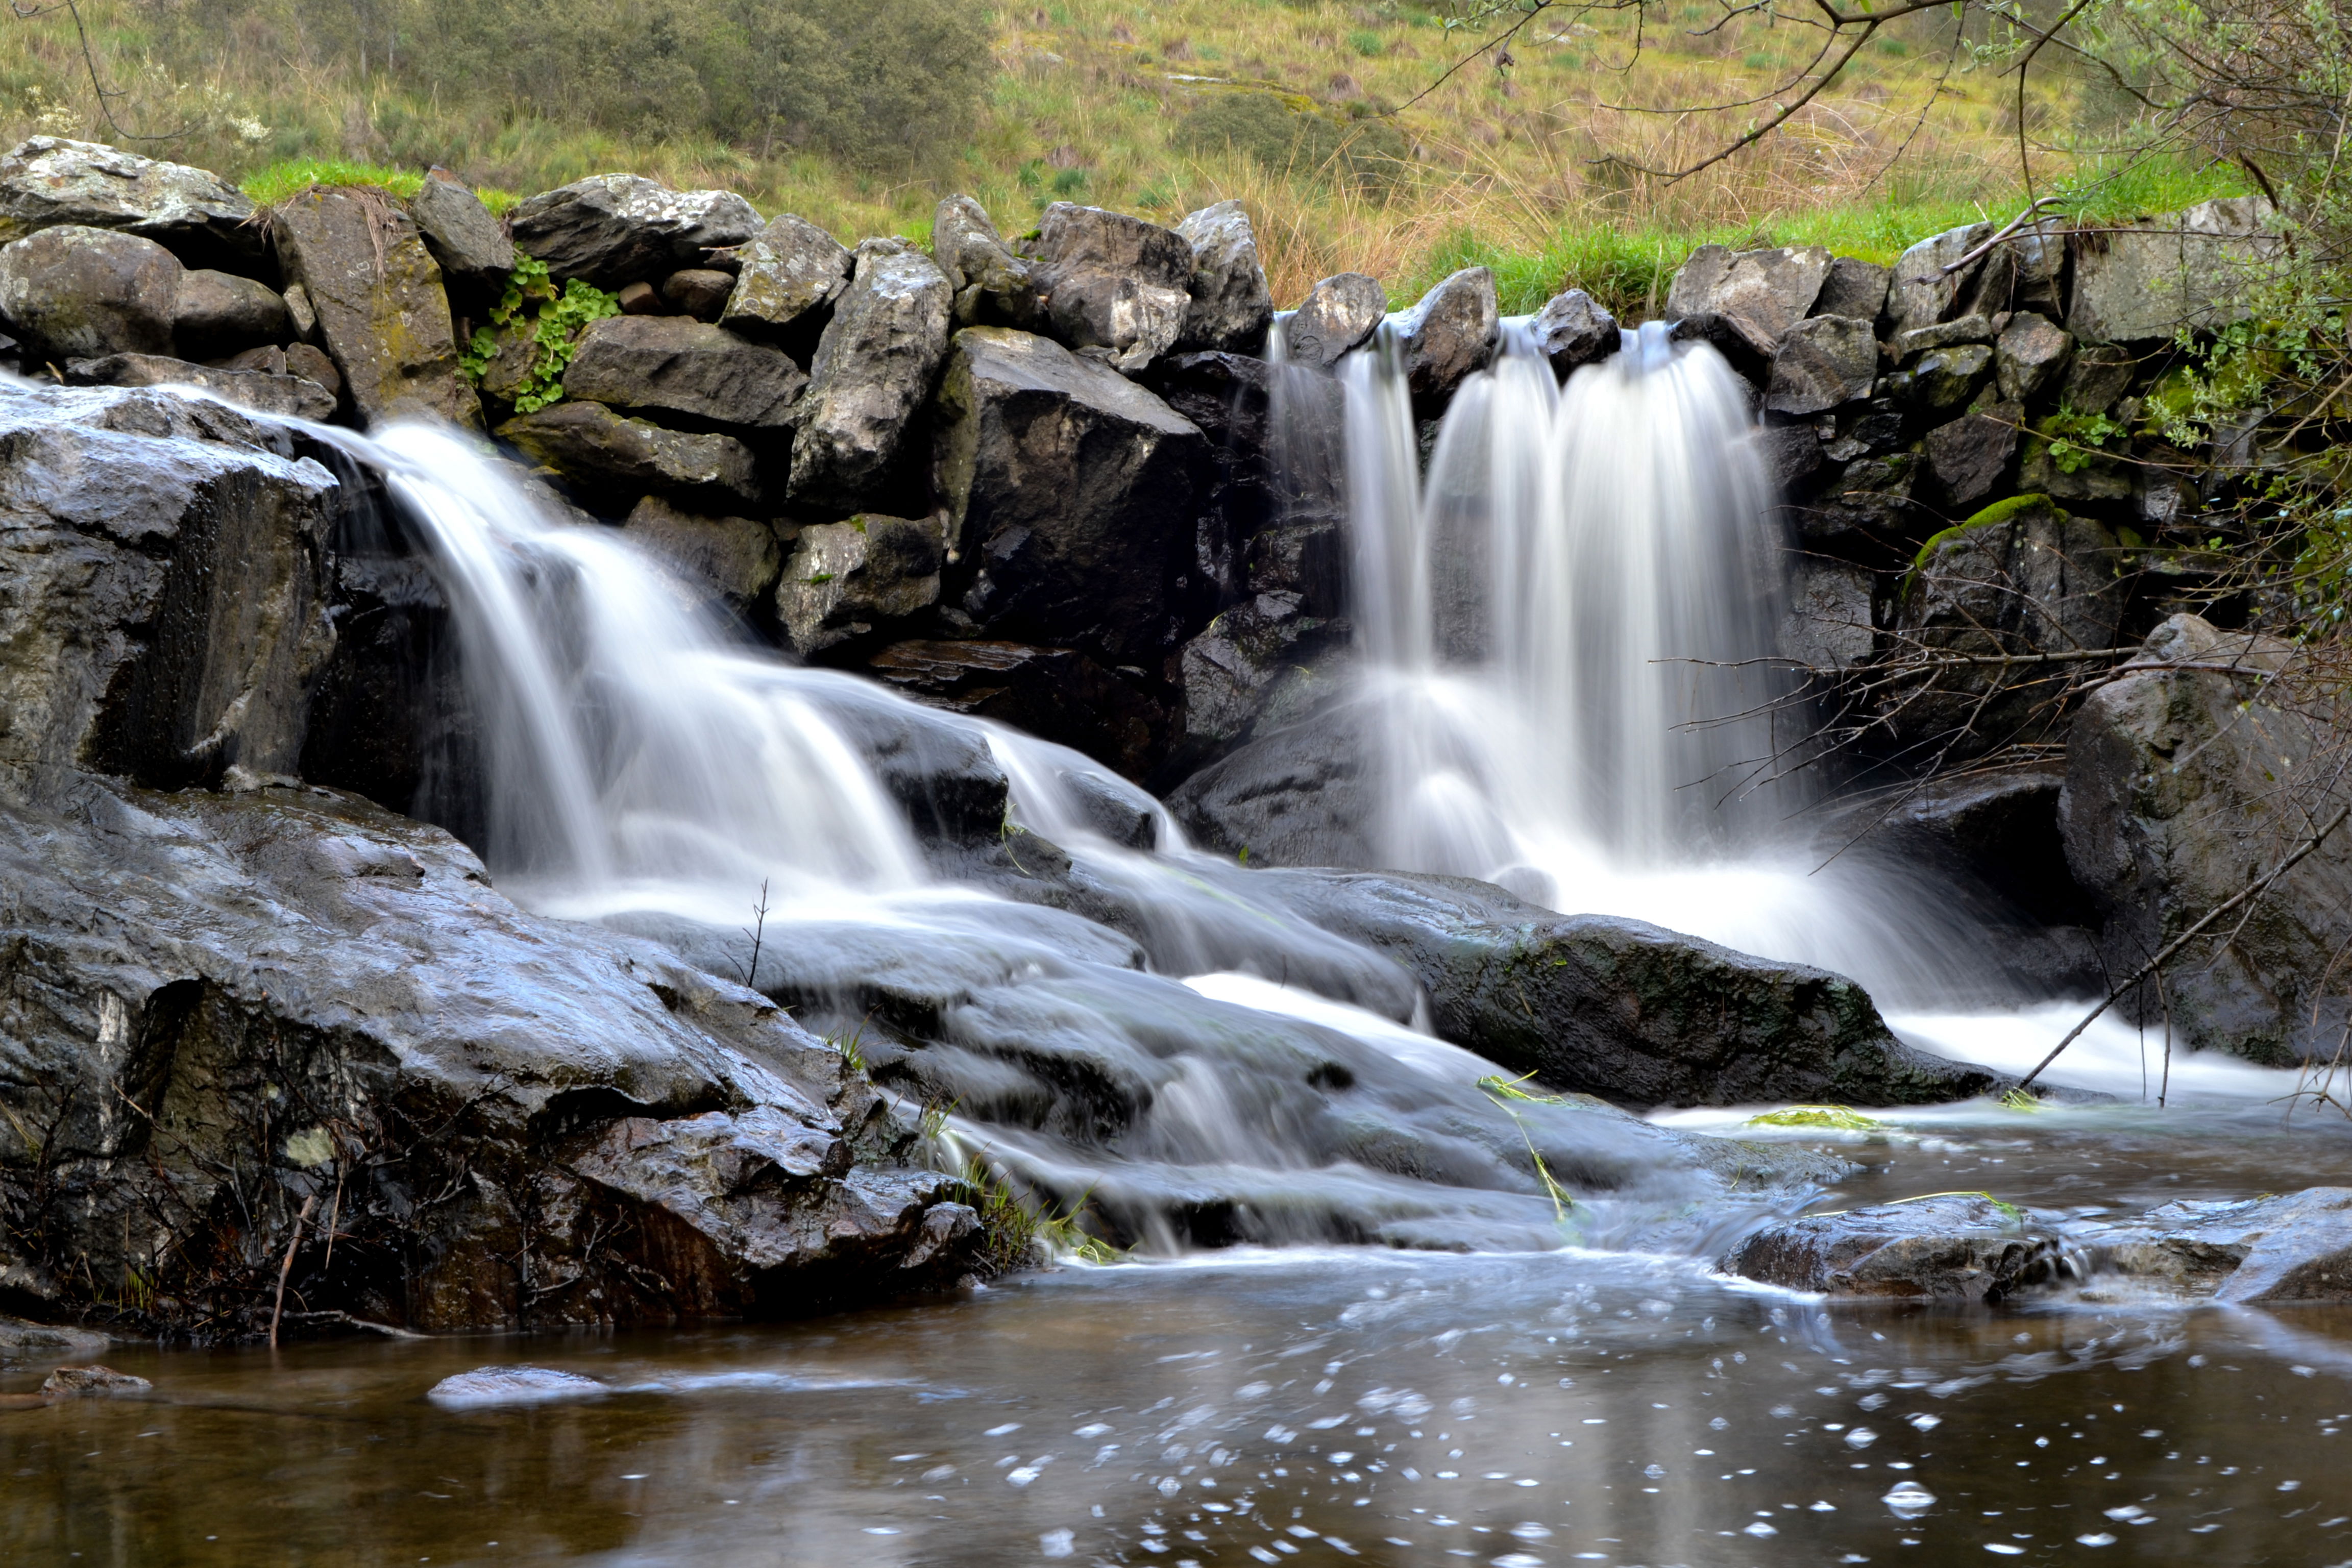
1971	329
2184	784
390	718
1446	336
1759	293
1618	1008
1791	454
1294	795
163	587
792	275
2021	577
1944	381
258	391
217	313
2097	377
361	963
1253	664
2149	279
22	1341
992	286
47	181
1309	559
489	1387
1954	1247
845	579
1572	330
1970	456
473	252
383	315
701	292
1340	313
612	229
1824	361
596	449
2029	356
1112	282
674	365
1232	306
91	1383
2269	1251
1854	288
876	365
1867	512
1921	292
1828	625
1073	489
74	292
734	560
2003	827
1056	694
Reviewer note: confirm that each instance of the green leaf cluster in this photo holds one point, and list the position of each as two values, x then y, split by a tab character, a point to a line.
2074	437
554	317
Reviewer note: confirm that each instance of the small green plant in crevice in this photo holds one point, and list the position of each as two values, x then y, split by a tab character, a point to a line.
1838	1117
554	317
931	1120
1013	1226
2076	438
848	1048
2020	1099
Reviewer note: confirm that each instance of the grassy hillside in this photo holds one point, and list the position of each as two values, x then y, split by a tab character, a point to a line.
1320	115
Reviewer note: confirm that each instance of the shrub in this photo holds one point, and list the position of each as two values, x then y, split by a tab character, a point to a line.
1297	138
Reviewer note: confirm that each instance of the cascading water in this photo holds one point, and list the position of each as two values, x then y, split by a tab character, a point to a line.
1569	685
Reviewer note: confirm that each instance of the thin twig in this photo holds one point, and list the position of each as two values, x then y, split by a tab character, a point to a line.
286	1268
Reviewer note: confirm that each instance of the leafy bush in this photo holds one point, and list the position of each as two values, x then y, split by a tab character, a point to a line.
553	324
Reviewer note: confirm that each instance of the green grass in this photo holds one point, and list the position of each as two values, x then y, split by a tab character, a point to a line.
278	180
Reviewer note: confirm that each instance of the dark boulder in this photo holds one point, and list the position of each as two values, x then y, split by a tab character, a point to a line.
1618	1008
1829	625
1340	313
2098	376
383	315
791	276
1572	330
258	391
700	292
1760	294
474	253
1056	694
1824	361
1953	1246
1854	288
674	365
1264	662
218	313
1112	282
596	449
311	1003
162	588
1943	382
993	287
2020	578
1447	335
1232	306
1298	794
1867	513
876	365
2188	778
846	579
1970	456
735	562
612	229
73	292
2029	356
46	181
1075	491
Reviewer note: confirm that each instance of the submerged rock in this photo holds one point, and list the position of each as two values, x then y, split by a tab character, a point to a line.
2266	1251
497	1385
1954	1247
91	1383
1618	1008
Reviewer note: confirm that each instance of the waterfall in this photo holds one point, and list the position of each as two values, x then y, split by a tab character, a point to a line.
1567	630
